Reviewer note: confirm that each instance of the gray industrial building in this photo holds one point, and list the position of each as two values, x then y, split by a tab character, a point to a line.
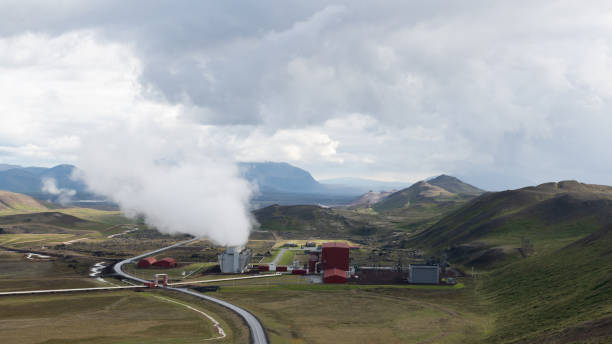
424	274
234	259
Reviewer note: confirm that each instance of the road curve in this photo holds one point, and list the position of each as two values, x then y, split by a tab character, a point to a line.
258	335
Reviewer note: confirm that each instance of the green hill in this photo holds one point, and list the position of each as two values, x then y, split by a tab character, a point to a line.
454	185
421	192
564	296
494	226
309	220
10	201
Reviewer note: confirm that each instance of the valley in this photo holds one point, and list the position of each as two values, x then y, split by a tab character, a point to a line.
541	260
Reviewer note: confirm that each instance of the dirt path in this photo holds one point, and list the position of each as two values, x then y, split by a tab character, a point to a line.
213	320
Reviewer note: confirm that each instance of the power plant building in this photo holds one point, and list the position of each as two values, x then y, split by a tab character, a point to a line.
234	259
335	255
335	262
424	274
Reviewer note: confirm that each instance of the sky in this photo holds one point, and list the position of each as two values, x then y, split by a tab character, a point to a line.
502	94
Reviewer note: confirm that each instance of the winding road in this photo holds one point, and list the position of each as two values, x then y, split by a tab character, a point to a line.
258	335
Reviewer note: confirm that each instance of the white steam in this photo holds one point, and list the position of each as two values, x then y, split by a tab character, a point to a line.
173	174
49	185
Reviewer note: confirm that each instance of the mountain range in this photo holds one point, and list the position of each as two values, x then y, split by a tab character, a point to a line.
277	183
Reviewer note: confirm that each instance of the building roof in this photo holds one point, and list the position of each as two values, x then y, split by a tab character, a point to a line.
151	260
335	244
168	259
334	272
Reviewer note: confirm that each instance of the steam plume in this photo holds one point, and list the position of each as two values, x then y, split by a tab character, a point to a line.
64	196
174	175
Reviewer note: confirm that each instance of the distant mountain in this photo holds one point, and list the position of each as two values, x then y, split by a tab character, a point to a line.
370	198
280	177
282	183
29	180
4	167
364	185
14	201
490	228
441	189
454	185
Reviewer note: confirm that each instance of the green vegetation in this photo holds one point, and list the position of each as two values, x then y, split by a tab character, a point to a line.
311	313
287	258
114	317
562	296
488	231
11	202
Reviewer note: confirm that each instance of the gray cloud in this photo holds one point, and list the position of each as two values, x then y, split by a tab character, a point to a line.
503	93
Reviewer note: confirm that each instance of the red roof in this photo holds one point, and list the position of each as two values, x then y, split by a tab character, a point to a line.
334	276
149	260
146	262
166	262
335	244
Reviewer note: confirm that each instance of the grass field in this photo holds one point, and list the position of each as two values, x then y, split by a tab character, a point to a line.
114	317
19	273
315	313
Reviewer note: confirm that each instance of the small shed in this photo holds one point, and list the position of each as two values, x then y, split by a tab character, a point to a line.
165	263
334	275
146	262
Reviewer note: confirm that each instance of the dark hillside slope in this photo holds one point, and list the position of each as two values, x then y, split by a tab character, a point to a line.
564	296
309	220
549	216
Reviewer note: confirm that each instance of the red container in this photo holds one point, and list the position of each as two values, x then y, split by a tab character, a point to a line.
264	268
298	272
281	268
335	255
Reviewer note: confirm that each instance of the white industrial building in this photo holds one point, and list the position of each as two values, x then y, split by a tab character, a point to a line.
234	259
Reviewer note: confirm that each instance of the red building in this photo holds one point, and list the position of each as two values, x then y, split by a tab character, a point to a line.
165	263
334	275
146	262
335	255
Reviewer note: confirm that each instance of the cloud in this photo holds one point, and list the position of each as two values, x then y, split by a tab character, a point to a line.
502	94
64	196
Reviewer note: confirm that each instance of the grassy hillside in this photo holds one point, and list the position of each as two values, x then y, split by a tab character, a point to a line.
492	227
440	191
454	185
309	220
564	296
10	201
